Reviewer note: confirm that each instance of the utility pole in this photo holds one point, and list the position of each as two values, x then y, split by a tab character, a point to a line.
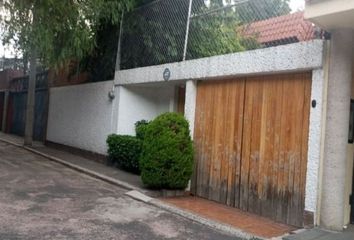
31	93
119	49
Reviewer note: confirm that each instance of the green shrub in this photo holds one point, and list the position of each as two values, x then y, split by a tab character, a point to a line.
167	156
140	129
124	152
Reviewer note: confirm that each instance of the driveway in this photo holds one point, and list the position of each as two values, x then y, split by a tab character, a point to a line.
40	199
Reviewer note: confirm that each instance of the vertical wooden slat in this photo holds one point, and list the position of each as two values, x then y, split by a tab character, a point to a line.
246	146
295	148
198	143
237	136
267	147
214	167
231	151
223	146
226	144
283	165
254	158
277	142
209	135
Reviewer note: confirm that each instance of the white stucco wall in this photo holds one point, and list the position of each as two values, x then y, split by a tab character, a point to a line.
190	105
81	116
315	140
142	102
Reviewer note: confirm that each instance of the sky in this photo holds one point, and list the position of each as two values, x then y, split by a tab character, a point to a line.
294	4
297	5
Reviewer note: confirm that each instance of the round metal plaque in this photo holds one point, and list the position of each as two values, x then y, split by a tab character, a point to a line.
166	74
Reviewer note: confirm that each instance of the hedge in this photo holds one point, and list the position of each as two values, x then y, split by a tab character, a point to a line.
140	129
124	152
167	156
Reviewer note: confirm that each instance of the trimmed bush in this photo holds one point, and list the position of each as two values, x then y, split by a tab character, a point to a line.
124	152
140	129
167	156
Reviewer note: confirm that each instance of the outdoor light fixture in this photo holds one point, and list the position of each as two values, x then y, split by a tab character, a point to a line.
111	95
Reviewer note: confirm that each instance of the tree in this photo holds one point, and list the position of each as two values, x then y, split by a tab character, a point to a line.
55	32
256	10
155	34
100	63
213	30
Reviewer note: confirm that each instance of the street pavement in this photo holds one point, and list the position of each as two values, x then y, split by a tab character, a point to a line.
40	199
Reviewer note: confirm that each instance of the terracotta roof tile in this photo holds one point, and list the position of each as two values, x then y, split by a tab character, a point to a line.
287	27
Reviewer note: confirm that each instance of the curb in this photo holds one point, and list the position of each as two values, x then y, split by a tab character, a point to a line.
85	171
222	227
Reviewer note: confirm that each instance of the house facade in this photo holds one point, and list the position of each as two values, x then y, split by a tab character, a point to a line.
270	125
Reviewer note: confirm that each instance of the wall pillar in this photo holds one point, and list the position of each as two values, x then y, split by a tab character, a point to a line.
190	105
333	195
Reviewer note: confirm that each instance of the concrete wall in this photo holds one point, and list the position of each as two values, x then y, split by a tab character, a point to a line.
333	197
143	102
331	14
82	116
282	59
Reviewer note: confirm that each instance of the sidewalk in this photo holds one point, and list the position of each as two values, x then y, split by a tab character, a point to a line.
114	175
247	222
319	234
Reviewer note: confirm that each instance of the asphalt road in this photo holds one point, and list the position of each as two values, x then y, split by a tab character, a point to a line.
40	199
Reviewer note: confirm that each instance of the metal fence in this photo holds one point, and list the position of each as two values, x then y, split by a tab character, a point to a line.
166	31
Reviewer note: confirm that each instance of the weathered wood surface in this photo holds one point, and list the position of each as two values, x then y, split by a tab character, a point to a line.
251	137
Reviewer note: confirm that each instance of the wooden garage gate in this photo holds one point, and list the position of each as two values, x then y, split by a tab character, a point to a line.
251	139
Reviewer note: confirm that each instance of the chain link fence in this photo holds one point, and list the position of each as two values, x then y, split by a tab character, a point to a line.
166	31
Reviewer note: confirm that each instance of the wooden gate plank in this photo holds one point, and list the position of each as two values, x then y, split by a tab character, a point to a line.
254	158
236	138
214	139
246	146
201	152
277	140
304	146
226	144
267	147
295	148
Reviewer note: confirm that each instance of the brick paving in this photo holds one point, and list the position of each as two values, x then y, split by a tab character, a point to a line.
247	222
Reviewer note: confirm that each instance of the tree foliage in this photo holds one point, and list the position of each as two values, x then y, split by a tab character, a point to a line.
59	30
155	34
256	10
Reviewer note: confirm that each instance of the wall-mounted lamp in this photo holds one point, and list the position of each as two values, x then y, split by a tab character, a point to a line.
111	95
